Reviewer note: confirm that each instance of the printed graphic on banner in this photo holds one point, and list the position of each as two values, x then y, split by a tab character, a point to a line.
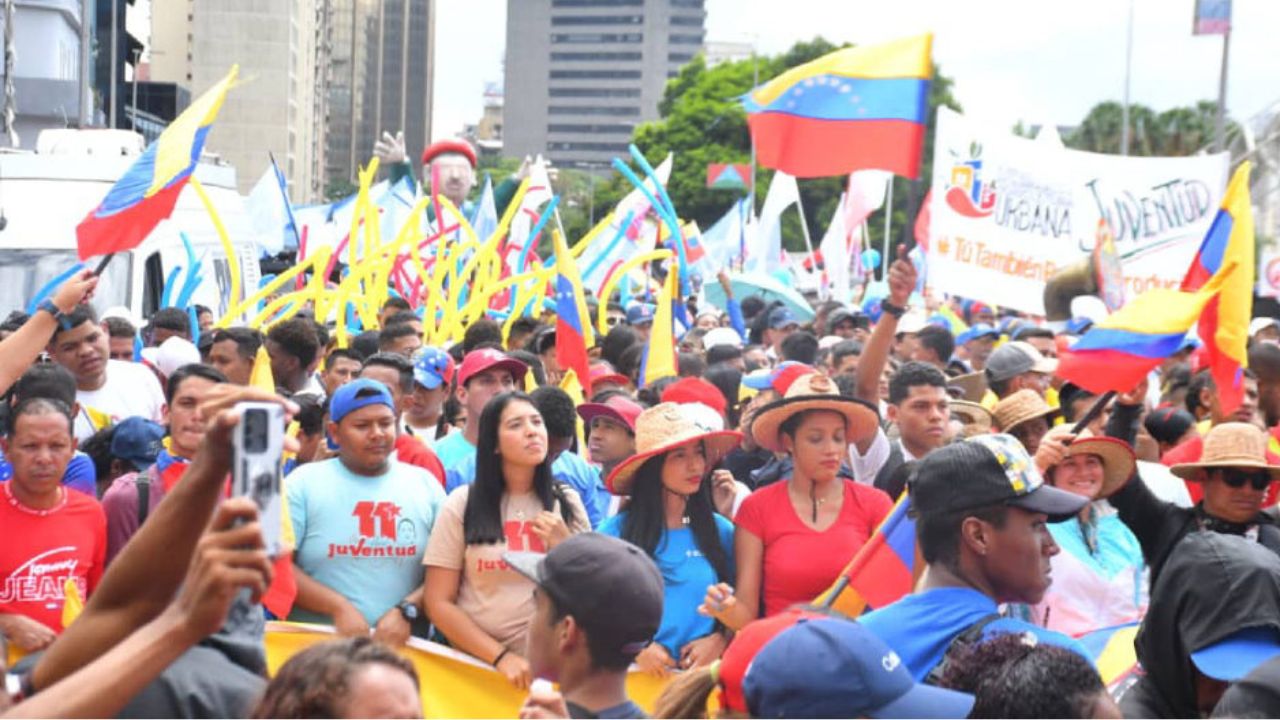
1007	213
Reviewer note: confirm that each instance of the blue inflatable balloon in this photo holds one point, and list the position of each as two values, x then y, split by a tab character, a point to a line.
870	259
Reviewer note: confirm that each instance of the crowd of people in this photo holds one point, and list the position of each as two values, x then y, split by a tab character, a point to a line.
686	526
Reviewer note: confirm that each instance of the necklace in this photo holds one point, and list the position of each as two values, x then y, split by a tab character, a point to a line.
16	503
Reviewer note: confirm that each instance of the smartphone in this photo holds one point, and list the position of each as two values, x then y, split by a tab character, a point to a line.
258	449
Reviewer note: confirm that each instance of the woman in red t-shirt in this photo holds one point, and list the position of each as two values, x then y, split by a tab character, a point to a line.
794	537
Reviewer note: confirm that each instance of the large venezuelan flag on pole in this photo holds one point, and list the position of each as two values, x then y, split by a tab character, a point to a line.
148	190
1119	351
854	109
884	570
573	325
1227	251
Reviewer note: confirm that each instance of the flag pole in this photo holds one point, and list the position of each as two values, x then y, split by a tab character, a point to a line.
888	219
808	242
102	265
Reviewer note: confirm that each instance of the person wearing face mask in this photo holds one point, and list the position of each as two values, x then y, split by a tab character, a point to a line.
476	600
1100	578
672	518
795	536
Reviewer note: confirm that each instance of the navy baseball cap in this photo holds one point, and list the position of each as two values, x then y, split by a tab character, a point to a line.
137	441
432	367
356	394
640	314
980	330
781	317
846	672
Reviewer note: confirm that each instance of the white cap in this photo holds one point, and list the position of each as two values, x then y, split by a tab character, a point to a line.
174	353
721	336
1259	324
1089	306
122	312
704	416
829	341
913	321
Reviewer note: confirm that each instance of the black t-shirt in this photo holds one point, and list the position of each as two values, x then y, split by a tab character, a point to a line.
627	709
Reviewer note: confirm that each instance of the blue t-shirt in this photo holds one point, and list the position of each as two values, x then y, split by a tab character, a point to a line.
452	450
569	468
921	626
686	574
79	475
361	536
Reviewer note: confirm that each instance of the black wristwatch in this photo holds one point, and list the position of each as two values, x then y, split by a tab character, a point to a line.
894	310
409	610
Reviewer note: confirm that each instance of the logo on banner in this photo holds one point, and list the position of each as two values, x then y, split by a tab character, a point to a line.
967	194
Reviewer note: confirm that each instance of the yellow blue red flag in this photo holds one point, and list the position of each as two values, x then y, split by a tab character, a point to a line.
149	189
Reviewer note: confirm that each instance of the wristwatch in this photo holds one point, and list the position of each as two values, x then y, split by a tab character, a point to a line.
61	318
409	610
894	310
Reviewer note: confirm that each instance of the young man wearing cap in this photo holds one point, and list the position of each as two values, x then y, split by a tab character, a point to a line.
396	373
981	513
611	430
362	523
432	373
598	603
484	373
640	317
132	497
1214	618
52	535
973	347
847	672
1018	366
780	323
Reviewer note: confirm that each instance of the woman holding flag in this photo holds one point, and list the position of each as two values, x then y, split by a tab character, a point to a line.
794	537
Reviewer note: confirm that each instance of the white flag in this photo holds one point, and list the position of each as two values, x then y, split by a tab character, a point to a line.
765	254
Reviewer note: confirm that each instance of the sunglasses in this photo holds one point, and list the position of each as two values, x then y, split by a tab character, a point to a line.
1238	478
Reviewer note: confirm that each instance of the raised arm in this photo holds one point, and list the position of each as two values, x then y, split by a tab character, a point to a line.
20	350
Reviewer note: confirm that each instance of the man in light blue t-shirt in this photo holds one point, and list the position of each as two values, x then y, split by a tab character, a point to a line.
981	512
484	373
362	521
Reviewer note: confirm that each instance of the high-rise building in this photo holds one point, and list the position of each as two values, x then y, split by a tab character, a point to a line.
278	107
380	80
581	74
51	85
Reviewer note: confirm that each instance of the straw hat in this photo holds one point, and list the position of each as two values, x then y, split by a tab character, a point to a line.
1118	459
973	386
663	428
814	391
1230	445
1020	407
976	419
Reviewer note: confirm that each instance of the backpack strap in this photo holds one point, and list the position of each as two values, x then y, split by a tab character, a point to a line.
143	483
971	636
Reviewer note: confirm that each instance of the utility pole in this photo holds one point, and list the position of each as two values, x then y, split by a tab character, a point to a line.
1220	130
111	59
1128	67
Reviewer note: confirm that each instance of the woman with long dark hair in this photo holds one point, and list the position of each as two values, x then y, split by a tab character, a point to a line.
672	518
478	603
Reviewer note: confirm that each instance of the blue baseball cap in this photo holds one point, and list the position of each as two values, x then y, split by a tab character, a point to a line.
847	672
1236	655
356	394
432	367
781	317
779	378
1078	325
977	331
640	314
137	441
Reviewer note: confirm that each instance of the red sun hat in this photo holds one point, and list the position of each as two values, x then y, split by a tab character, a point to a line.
695	390
440	147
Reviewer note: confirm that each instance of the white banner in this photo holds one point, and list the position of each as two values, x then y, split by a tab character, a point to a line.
1009	212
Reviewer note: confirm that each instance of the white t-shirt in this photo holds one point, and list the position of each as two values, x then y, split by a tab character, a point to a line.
130	390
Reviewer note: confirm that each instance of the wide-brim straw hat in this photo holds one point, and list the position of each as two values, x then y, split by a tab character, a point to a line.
1118	459
1020	407
813	391
973	386
976	419
1230	445
663	428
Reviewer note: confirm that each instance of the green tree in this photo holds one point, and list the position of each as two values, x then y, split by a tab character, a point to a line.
1176	132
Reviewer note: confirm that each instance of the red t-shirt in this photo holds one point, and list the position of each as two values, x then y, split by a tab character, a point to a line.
1189	451
800	562
43	548
410	449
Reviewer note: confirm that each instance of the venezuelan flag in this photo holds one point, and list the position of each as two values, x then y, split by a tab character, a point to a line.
883	571
1227	255
573	328
1114	654
854	109
148	190
660	353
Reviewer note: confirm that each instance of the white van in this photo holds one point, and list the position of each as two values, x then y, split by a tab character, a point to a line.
44	195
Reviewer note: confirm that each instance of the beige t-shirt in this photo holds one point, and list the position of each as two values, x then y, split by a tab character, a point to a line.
497	598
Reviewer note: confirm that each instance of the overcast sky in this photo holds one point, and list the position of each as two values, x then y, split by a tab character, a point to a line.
1011	60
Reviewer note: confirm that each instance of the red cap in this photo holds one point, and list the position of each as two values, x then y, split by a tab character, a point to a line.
603	372
440	147
478	361
742	650
695	390
619	408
